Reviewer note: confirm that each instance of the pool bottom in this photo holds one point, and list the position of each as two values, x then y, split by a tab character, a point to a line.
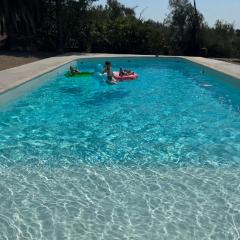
118	202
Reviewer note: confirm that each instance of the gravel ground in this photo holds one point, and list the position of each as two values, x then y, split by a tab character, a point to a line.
14	59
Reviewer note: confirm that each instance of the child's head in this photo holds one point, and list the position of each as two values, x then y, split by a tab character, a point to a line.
108	64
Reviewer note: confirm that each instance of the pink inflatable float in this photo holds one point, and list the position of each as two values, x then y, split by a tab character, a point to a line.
125	77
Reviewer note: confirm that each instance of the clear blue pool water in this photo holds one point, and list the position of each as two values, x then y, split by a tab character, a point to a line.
156	158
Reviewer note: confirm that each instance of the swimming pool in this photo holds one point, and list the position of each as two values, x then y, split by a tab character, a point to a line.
155	158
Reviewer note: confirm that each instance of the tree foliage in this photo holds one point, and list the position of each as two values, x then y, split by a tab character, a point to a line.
83	25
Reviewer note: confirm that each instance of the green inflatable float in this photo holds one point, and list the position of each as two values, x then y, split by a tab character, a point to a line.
78	75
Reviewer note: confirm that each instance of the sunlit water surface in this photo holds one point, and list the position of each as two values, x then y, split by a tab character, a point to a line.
156	158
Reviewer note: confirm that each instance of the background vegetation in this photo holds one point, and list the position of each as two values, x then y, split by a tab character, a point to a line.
82	25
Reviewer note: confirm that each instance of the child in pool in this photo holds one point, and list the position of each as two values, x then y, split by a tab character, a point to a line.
109	71
73	71
124	72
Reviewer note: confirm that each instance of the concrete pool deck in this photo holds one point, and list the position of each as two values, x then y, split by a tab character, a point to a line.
13	77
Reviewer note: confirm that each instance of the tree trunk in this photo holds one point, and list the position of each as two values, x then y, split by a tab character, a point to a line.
195	31
59	25
9	26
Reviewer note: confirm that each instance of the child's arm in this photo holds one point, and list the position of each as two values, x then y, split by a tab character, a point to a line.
104	70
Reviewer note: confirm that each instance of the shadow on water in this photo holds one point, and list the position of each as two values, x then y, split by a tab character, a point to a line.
71	90
102	98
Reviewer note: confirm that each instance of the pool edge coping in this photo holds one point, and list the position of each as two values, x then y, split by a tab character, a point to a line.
226	68
14	77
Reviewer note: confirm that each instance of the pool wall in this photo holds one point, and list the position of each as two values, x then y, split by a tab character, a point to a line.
207	70
10	95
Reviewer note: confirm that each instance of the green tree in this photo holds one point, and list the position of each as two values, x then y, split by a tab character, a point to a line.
184	23
17	16
221	40
116	10
80	25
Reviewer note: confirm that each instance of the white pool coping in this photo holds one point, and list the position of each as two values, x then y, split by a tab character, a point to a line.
13	77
